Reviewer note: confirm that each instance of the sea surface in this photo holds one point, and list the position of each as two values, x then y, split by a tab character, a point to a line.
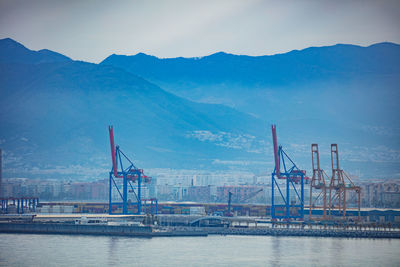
80	250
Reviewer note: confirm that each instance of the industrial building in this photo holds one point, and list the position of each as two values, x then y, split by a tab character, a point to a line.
372	215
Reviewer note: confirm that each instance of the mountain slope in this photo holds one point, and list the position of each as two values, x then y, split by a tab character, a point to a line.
55	115
326	75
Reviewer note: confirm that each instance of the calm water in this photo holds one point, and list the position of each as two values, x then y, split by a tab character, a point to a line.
64	250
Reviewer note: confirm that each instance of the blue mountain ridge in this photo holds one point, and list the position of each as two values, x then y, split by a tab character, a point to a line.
316	63
317	77
14	52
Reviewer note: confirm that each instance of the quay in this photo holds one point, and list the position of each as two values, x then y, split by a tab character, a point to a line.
305	232
160	231
114	230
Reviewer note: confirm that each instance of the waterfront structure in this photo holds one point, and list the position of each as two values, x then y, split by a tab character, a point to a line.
339	187
18	205
241	193
129	175
318	183
290	200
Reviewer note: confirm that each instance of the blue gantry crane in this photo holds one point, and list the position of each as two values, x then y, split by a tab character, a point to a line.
129	175
288	179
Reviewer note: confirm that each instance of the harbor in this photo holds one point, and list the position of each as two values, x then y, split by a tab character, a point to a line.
334	210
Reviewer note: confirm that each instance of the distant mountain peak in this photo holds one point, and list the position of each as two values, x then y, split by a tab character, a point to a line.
12	51
55	56
385	44
141	54
10	43
220	53
9	40
46	51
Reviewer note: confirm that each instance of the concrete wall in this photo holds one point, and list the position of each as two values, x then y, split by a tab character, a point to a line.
53	228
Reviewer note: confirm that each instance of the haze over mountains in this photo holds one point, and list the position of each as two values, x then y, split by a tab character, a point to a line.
55	111
258	84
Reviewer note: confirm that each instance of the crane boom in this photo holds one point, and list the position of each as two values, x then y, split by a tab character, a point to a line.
113	154
276	151
252	195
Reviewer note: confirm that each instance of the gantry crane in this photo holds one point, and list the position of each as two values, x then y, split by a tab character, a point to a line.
318	183
338	187
129	175
293	203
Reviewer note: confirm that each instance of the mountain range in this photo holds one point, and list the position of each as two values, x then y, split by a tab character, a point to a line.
209	113
341	75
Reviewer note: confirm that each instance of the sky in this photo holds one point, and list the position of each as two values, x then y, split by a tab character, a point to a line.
92	30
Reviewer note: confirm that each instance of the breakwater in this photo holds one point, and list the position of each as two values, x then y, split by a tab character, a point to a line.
71	229
304	232
148	231
57	228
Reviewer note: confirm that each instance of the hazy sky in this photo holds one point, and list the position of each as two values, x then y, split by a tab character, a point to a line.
92	30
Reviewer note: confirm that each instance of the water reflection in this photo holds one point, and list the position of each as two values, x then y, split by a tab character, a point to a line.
336	251
112	250
63	250
276	251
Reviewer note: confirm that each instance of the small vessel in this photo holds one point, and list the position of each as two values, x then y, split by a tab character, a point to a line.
91	221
